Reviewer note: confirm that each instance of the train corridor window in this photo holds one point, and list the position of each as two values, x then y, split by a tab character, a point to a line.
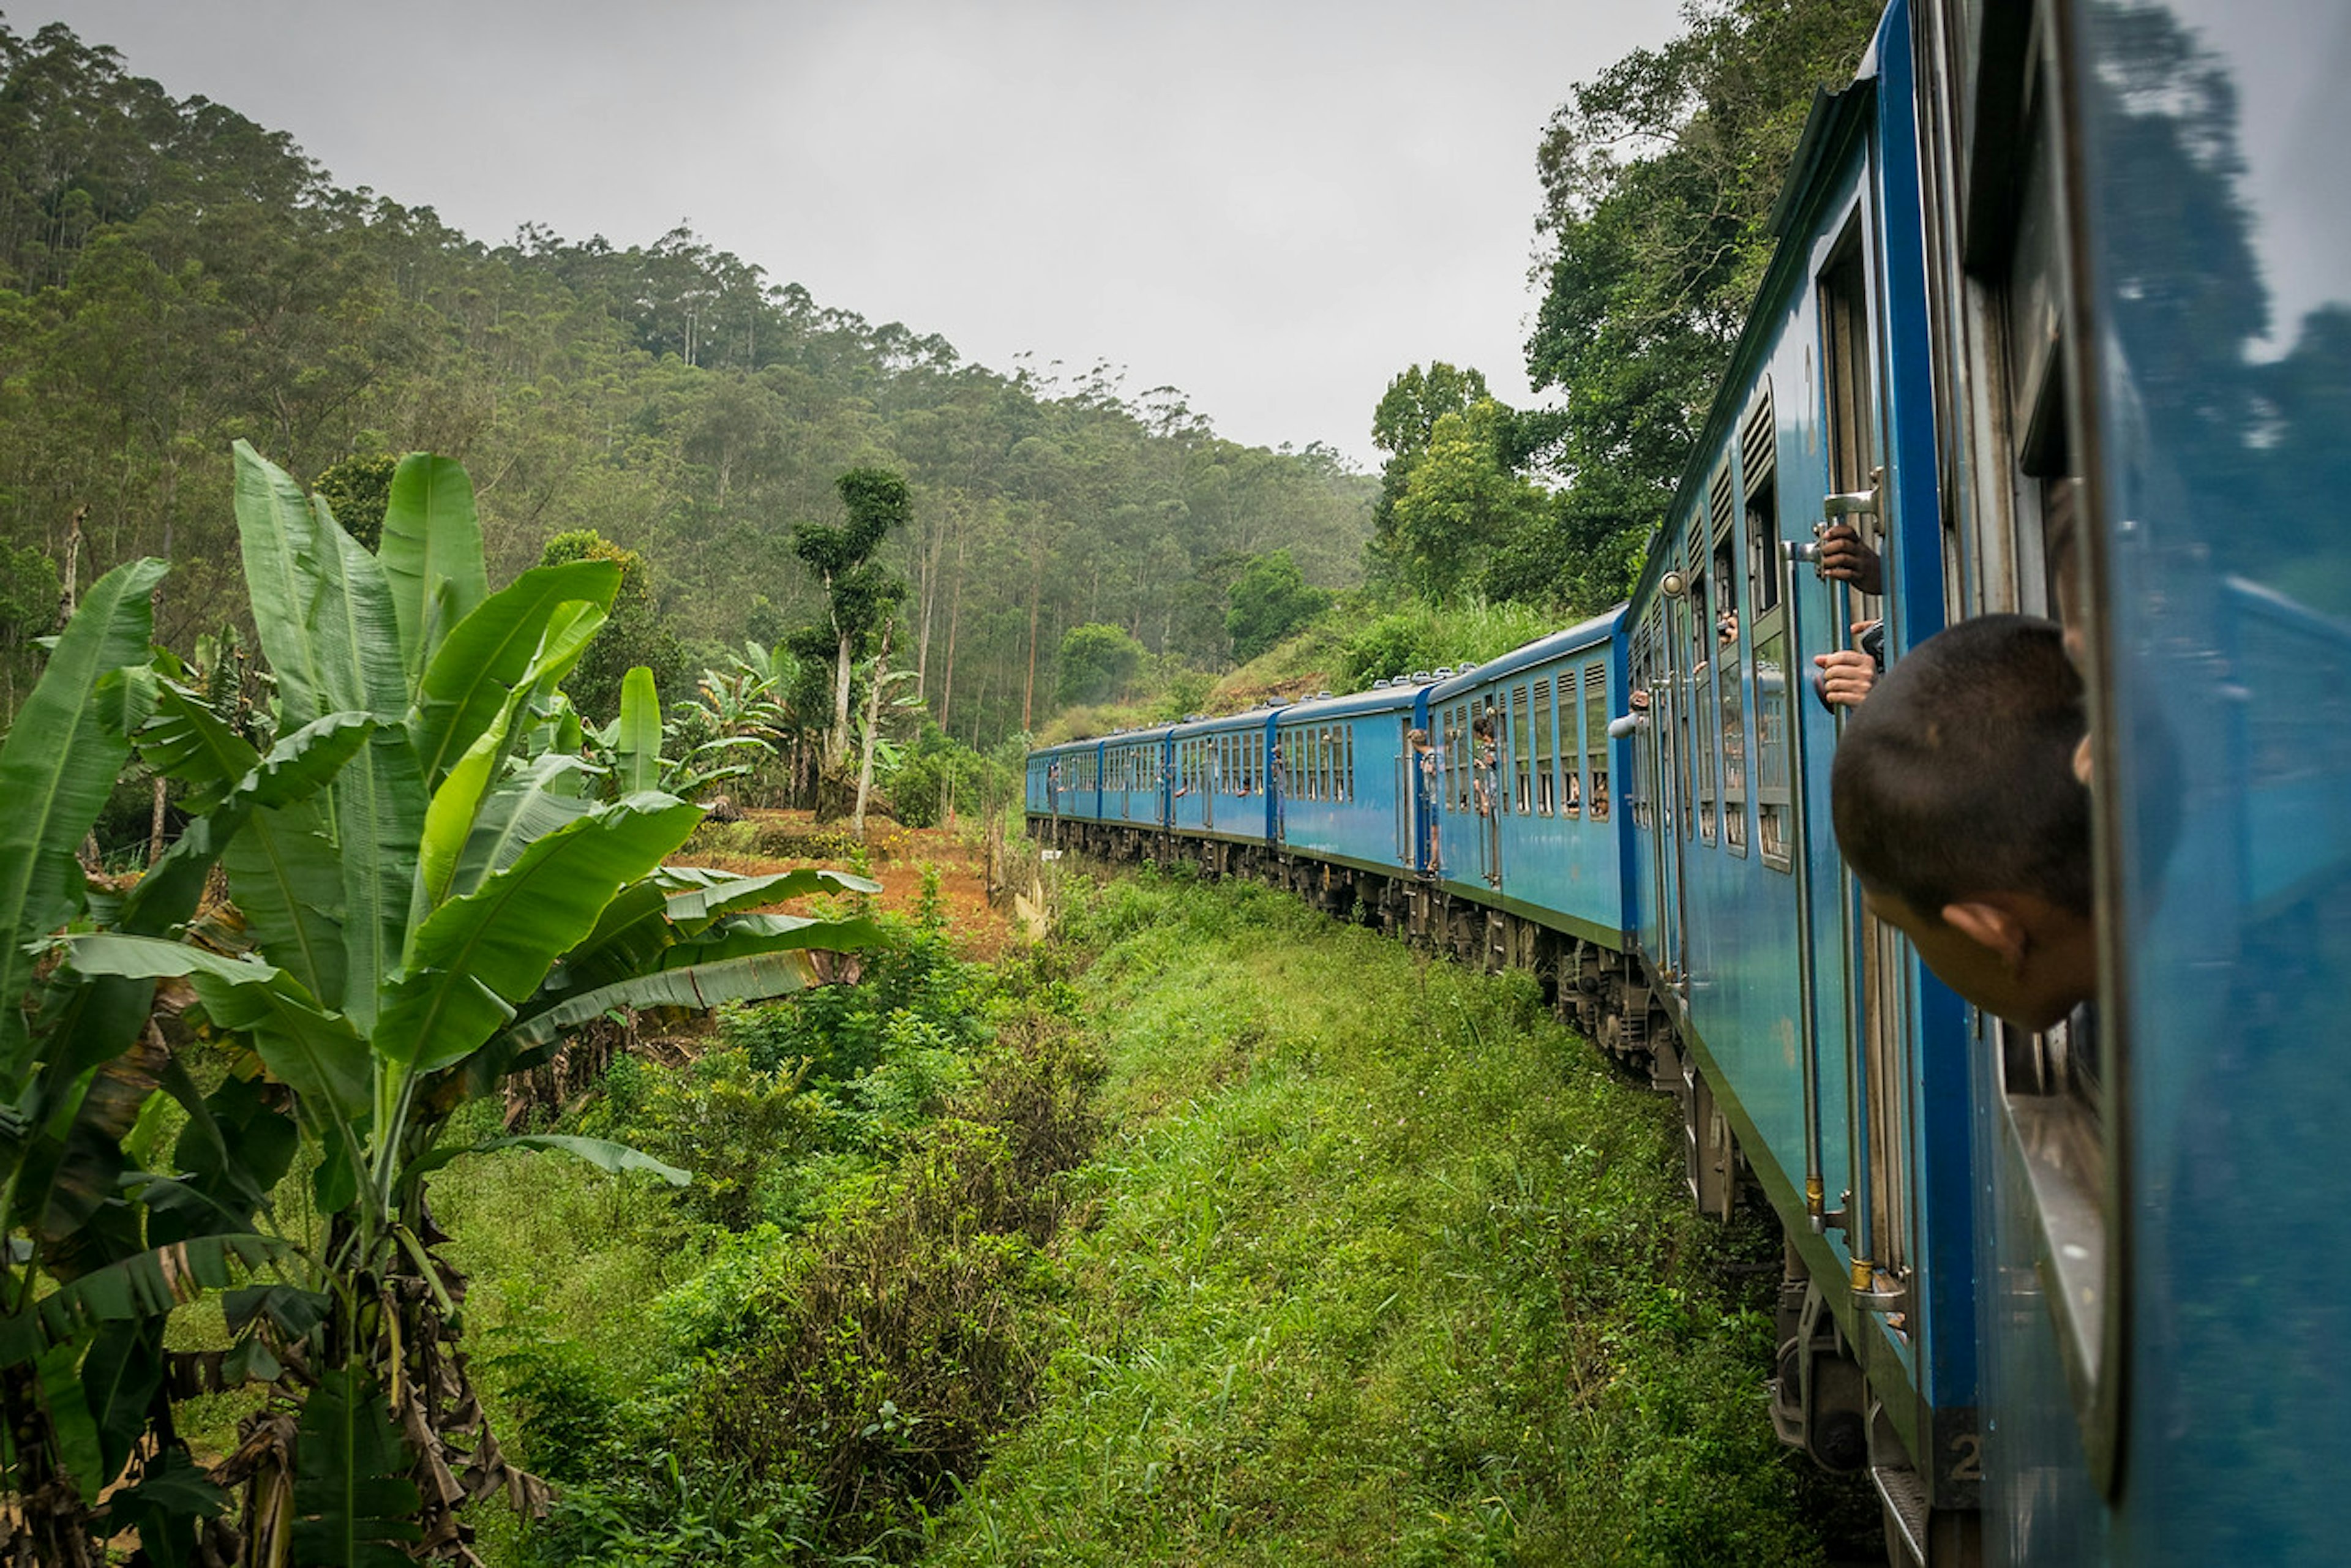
1596	739
1722	513
1347	739
1767	634
1758	468
1522	740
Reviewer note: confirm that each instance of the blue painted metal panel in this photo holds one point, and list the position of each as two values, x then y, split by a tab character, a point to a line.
1344	781
2218	254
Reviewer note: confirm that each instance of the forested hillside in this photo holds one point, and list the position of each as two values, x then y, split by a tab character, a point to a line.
173	277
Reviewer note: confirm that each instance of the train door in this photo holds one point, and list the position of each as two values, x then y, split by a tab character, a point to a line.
1409	802
1876	973
1668	697
1283	753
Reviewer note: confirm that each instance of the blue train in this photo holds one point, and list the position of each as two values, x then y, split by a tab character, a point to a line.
2048	271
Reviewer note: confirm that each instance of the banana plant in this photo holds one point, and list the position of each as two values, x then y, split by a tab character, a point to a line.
80	1071
425	918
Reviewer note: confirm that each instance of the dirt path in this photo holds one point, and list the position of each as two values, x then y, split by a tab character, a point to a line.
778	841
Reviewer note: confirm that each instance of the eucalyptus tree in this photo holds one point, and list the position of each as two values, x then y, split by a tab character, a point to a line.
860	594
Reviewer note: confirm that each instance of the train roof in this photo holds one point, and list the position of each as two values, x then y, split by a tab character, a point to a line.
1347	704
1585	634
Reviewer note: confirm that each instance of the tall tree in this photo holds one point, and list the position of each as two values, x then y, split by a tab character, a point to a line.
860	594
1660	177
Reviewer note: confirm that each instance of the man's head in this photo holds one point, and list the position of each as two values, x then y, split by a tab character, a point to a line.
1957	806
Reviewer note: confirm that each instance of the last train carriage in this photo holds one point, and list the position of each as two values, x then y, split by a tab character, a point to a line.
2044	267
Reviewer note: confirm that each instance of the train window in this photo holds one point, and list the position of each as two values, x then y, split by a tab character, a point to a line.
1522	741
1698	708
1758	463
1767	634
1546	750
1595	739
1571	757
1347	763
1722	513
1459	753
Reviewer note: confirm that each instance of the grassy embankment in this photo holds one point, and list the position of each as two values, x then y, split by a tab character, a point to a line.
1369	1261
1377	1264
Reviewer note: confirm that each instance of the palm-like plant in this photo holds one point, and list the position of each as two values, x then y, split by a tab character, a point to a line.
429	905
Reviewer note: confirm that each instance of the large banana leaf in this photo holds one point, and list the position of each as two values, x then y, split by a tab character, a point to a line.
431	554
352	1497
694	907
319	1054
145	1285
378	819
284	871
56	767
602	1152
319	600
324	610
746	933
187	741
702	985
509	931
488	654
628	938
541	798
637	748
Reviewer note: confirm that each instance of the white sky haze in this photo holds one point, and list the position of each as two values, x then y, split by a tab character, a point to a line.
1272	207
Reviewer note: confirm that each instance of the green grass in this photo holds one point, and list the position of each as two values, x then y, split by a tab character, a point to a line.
1376	1264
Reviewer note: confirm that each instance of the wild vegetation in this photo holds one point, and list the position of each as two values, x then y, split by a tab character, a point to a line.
430	888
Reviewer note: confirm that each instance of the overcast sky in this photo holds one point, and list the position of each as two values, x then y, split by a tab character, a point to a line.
1273	207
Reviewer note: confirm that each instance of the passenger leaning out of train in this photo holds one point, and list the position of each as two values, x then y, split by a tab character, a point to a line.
1957	806
1847	675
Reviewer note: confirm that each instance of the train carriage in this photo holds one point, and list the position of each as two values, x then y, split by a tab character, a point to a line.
1819	1057
2092	1282
1523	806
1343	782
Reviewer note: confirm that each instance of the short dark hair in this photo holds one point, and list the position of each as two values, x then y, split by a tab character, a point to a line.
1956	776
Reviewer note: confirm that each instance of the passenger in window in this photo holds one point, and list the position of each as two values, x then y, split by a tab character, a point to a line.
1488	756
1956	804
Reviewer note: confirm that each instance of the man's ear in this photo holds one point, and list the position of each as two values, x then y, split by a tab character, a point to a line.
1989	922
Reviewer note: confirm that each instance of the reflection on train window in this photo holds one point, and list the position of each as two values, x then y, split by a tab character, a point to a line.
1595	739
1464	777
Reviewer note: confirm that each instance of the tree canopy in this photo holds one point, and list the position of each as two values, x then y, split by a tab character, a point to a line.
173	277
